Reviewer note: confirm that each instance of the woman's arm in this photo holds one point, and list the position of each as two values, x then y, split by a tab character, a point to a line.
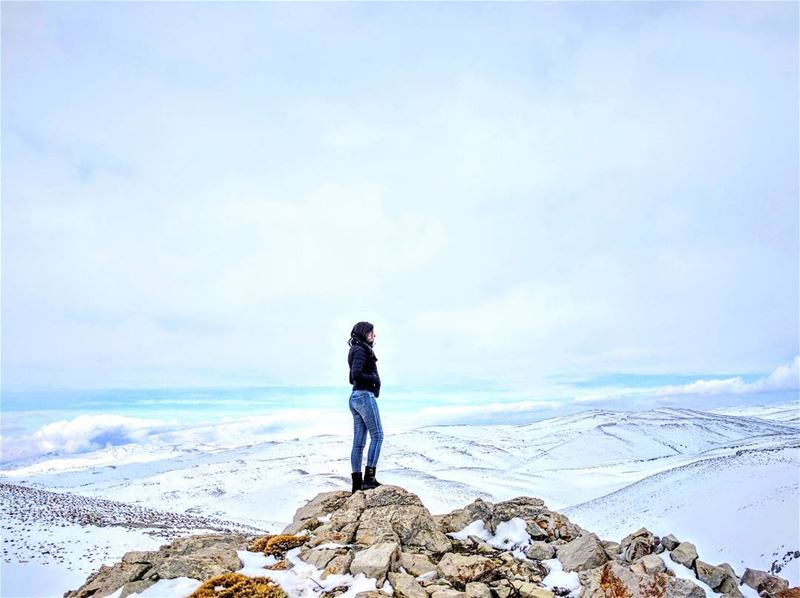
357	373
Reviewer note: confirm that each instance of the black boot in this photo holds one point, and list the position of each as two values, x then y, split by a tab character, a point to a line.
356	482
369	479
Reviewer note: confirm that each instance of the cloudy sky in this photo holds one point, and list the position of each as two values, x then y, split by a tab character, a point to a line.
517	195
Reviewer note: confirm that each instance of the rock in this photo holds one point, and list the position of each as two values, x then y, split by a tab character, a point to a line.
392	514
338	565
372	594
788	593
502	589
585	552
416	564
670	542
200	557
709	574
457	520
449	593
527	589
476	589
319	557
435	587
462	569
650	564
684	553
683	588
540	551
614	580
376	560
634	546
405	586
612	548
319	506
296	527
761	581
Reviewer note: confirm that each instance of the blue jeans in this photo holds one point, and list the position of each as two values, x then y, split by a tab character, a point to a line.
364	408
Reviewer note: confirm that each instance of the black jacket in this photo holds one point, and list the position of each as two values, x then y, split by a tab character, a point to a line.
363	368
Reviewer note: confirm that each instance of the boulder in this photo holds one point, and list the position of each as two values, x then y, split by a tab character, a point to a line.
200	557
416	564
615	580
376	561
685	554
540	551
391	514
585	552
308	515
462	569
476	589
670	542
457	520
526	589
612	548
709	574
634	546
338	565
649	564
763	582
405	586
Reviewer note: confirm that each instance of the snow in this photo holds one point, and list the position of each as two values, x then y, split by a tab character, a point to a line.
725	481
558	578
509	535
180	587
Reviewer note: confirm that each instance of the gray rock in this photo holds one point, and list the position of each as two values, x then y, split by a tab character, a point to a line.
761	581
405	586
685	554
462	569
319	557
636	545
709	574
585	552
670	542
457	520
449	593
392	514
200	557
651	564
338	565
416	564
540	551
376	560
683	588
476	589
526	589
615	580
319	506
502	589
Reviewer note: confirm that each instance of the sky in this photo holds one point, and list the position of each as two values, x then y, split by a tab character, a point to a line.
517	195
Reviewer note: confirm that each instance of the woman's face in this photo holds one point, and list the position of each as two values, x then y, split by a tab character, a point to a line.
370	336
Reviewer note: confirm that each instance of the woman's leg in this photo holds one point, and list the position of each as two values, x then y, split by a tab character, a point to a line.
359	439
373	423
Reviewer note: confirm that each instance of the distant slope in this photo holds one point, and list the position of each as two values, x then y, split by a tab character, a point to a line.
740	507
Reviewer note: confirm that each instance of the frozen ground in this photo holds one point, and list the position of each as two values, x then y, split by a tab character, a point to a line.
727	482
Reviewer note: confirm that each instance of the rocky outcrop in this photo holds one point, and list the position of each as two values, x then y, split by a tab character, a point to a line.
199	557
388	535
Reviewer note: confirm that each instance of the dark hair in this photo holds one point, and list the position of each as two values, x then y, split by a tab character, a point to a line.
360	331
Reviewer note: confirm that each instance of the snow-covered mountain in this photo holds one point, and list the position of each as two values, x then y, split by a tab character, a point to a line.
730	481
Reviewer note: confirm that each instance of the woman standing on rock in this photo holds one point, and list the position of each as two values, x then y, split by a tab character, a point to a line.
366	388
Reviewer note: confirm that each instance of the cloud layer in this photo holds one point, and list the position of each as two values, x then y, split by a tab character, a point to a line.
212	194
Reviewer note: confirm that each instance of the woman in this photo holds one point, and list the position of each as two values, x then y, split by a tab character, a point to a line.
366	388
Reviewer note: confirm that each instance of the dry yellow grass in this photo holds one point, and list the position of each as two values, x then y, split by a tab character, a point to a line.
236	585
276	544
